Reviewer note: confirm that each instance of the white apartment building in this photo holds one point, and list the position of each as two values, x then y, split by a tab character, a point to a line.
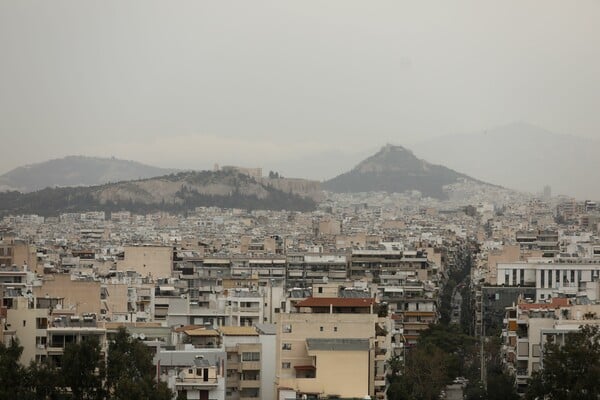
552	278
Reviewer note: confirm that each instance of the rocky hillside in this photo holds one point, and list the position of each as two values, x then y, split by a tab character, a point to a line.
174	193
396	169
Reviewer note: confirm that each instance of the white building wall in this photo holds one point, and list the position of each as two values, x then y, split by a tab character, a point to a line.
268	367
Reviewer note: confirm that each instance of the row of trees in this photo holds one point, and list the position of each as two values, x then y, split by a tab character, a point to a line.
127	373
446	351
440	356
571	370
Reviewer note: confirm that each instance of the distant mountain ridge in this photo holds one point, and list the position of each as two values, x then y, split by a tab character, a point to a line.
176	193
76	171
396	169
522	156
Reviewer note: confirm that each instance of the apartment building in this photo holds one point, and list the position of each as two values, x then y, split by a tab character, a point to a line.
67	328
328	339
543	240
195	373
306	269
15	251
554	277
244	361
153	261
244	307
530	326
412	304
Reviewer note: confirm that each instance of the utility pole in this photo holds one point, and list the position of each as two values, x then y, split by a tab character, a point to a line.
482	339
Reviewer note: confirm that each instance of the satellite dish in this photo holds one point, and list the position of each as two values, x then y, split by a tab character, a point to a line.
142	336
135	335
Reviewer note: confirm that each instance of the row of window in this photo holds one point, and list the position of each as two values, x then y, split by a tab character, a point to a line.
287	328
251	356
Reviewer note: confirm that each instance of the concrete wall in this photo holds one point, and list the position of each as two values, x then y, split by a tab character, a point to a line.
155	261
268	367
82	296
23	321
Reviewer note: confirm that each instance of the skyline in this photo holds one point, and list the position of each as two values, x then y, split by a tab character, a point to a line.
171	85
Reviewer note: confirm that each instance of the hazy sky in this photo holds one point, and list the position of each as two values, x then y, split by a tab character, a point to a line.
190	83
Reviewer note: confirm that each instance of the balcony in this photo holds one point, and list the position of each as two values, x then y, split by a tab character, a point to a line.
521	373
380	354
253	310
233	365
195	383
250	366
233	381
430	314
251	384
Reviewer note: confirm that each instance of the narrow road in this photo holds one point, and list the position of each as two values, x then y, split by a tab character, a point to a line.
456	307
454	392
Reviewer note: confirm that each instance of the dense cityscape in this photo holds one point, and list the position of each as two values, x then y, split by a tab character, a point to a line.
411	296
299	200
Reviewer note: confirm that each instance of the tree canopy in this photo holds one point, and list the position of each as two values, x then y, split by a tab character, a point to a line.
84	373
571	370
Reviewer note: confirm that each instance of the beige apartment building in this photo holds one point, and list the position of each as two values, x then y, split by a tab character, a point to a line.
82	296
244	356
326	341
528	327
152	261
17	252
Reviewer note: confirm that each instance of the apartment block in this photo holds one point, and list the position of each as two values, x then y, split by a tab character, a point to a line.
328	339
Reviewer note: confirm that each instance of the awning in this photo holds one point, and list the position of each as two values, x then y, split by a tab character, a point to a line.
304	367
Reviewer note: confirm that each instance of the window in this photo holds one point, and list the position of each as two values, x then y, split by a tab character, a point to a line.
335	328
521	277
287	328
24	322
286	346
543	279
251	356
286	365
321	328
320	290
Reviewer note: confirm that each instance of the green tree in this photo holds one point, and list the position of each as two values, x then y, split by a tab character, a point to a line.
11	372
500	386
423	377
570	371
43	380
83	369
130	371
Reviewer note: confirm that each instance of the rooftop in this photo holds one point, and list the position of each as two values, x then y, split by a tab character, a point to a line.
238	331
336	302
201	332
